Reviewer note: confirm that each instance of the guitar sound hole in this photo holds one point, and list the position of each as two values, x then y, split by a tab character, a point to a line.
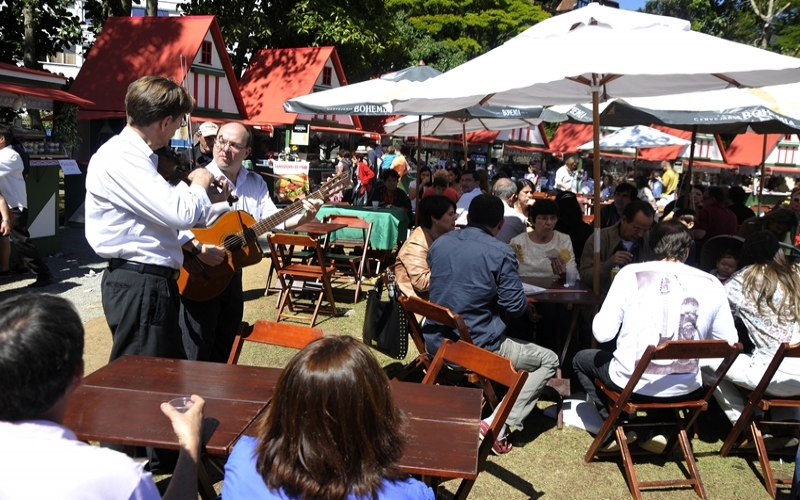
234	242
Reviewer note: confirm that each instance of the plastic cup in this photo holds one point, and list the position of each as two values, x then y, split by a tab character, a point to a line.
375	205
182	403
572	277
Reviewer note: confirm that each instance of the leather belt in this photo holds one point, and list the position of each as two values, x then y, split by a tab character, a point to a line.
129	265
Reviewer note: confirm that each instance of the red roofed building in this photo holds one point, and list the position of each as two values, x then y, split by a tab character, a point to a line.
277	75
782	154
176	47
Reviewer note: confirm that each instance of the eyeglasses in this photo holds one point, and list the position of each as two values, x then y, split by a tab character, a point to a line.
640	230
222	144
184	122
796	200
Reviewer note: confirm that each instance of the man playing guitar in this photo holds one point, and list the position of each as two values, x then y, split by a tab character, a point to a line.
209	326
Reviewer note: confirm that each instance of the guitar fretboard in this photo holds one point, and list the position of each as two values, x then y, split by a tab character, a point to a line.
248	235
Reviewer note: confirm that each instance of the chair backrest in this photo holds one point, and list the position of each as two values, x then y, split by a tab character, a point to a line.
785	350
488	365
269	332
281	245
434	312
685	350
352	222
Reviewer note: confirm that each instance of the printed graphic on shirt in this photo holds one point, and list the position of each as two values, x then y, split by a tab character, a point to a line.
675	312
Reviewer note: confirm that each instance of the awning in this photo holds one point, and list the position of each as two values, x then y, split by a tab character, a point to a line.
45	93
370	135
525	149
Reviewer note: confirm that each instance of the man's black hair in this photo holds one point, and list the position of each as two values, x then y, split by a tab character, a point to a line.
486	210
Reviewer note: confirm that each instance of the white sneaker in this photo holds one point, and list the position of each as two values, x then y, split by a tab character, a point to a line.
611	445
655	443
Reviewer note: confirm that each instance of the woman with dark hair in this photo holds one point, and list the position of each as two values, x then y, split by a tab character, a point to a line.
645	193
524	199
607	187
418	185
388	194
543	252
766	297
437	216
570	222
332	432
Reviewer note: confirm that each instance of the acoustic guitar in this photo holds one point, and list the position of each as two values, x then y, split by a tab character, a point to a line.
237	232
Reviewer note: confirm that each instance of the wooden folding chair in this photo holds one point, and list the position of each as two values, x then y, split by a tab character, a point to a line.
622	403
489	366
269	332
354	260
319	273
302	256
757	398
416	306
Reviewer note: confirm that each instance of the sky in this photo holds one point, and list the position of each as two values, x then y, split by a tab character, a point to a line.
631	4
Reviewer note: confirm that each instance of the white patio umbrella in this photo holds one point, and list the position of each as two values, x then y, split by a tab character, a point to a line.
473	120
638	136
371	97
604	52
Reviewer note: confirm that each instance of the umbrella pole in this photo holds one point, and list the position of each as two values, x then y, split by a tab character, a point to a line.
596	168
419	145
635	164
688	180
464	138
763	171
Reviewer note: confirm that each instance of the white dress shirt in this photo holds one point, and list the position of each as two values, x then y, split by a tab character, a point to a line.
132	213
12	184
41	459
462	207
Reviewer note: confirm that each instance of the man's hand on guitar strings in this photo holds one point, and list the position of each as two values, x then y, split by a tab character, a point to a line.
212	255
310	208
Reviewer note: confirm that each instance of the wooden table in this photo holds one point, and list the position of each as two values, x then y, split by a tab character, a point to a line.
575	298
120	404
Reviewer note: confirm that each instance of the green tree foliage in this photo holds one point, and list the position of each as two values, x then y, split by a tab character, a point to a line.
361	30
52	26
463	29
737	20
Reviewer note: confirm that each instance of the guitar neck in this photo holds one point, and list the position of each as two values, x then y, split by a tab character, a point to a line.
279	218
334	185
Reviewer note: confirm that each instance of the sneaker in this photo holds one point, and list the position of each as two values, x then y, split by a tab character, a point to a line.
42	281
749	444
655	443
501	446
611	445
19	270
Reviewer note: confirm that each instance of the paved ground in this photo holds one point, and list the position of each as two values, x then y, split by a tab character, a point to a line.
77	270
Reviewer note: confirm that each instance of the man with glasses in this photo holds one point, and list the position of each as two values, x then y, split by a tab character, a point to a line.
208	327
133	215
621	244
715	218
623	194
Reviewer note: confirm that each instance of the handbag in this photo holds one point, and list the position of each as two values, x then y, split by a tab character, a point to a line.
385	323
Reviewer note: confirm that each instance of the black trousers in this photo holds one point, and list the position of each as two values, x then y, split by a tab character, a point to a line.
21	238
209	327
142	313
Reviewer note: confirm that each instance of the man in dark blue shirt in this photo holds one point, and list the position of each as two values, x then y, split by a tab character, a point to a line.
476	275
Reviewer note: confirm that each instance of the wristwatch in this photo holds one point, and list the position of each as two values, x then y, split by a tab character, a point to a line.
197	249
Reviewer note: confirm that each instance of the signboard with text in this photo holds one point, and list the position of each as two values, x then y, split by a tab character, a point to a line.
293	183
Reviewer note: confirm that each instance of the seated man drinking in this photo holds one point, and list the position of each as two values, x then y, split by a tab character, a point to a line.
41	364
648	304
